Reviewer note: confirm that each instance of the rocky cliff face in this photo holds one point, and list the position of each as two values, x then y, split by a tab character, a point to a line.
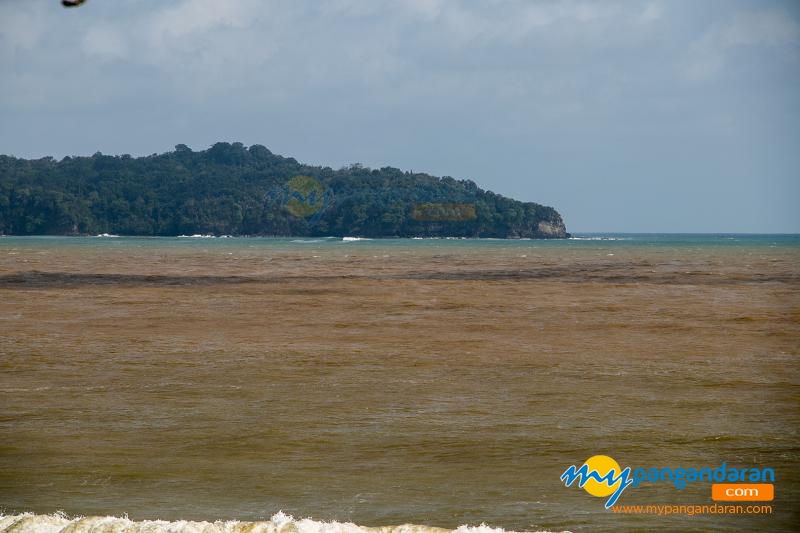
554	229
541	223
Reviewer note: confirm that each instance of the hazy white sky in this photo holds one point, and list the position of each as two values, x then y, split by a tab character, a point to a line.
625	116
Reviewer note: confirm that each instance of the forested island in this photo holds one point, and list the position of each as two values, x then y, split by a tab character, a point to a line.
226	189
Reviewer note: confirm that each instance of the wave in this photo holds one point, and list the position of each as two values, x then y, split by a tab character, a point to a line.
279	523
205	236
348	239
599	238
106	235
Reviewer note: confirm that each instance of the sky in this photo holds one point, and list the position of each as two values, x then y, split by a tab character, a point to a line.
650	116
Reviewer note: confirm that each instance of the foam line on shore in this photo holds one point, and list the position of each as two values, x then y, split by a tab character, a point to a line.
279	523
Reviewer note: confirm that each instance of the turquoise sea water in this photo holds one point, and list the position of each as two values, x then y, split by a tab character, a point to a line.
577	241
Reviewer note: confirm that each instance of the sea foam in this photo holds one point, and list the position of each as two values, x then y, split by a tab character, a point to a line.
279	523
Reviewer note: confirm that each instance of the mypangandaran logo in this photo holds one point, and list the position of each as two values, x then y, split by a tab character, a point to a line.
602	476
305	197
302	196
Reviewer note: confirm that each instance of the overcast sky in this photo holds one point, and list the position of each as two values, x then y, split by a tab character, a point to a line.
625	116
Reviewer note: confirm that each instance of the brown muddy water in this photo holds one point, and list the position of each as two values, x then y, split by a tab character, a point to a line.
388	382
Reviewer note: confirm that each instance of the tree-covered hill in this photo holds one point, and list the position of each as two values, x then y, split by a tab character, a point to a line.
222	191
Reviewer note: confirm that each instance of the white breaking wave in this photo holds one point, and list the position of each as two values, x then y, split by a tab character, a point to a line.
106	235
279	523
348	239
599	238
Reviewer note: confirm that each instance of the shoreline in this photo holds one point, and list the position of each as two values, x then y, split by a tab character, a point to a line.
278	523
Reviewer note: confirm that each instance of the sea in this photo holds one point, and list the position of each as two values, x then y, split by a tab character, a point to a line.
324	385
